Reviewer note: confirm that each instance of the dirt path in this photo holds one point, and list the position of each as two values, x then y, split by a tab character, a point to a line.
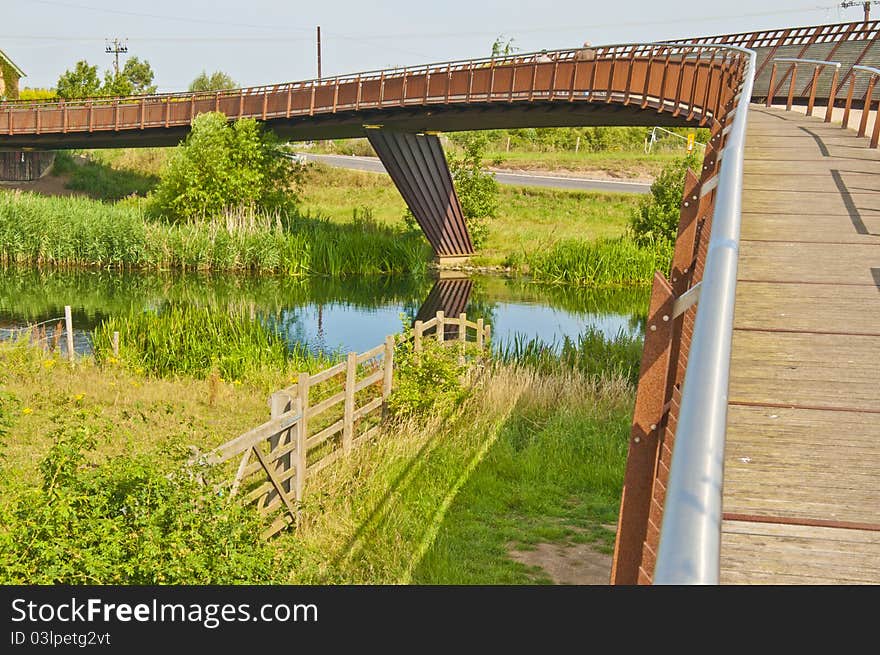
48	185
577	564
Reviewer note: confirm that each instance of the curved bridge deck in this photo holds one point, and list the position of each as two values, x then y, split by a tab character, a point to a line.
802	462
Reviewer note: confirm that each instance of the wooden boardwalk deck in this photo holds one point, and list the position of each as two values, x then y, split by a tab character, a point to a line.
802	463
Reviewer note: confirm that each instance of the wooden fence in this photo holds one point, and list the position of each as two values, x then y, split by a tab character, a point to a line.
322	418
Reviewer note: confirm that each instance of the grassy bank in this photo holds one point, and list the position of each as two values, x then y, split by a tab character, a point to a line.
41	231
527	457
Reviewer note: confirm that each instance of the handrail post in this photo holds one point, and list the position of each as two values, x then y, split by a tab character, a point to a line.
833	94
812	99
772	81
791	87
849	96
866	106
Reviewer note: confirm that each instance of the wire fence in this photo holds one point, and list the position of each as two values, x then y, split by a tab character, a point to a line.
54	334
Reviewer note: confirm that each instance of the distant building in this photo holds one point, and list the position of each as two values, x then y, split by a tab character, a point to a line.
18	166
10	74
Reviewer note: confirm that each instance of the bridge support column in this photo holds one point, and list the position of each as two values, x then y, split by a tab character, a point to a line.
418	168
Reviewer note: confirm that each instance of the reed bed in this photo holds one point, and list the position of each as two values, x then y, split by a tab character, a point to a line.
78	232
604	262
198	342
592	354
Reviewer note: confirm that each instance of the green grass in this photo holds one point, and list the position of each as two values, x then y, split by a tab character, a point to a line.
553	475
101	181
602	262
197	342
530	219
41	231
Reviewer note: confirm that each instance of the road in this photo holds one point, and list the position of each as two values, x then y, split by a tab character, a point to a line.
373	165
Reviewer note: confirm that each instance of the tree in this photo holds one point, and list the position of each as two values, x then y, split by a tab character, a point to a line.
81	82
136	77
216	81
502	48
224	167
140	75
656	217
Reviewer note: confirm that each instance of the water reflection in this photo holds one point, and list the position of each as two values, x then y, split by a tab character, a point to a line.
329	315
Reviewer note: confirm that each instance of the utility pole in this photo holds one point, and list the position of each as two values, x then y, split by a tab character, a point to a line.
865	5
114	49
319	52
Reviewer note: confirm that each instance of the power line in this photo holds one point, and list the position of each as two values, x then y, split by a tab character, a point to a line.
117	47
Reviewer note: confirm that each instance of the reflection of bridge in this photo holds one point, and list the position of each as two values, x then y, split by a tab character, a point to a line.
787	381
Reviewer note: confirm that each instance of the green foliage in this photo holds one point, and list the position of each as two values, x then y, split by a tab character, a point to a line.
28	93
602	262
222	167
41	231
656	217
130	520
10	80
81	82
216	81
592	354
135	78
140	76
100	181
503	46
429	381
196	341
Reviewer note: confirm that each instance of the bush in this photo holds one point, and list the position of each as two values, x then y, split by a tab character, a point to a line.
656	217
428	381
127	521
222	167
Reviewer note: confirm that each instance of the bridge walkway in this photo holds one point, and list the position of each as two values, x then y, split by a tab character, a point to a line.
802	462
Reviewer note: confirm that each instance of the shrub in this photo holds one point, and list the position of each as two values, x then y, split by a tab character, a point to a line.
130	520
657	215
222	167
431	380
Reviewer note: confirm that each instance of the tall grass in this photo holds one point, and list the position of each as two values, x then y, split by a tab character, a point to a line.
197	342
591	354
77	232
604	262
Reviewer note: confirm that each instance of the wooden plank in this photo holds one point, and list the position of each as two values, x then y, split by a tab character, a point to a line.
367	435
347	421
370	379
325	375
251	438
324	405
267	486
276	483
253	467
374	404
326	433
323	463
798	262
370	354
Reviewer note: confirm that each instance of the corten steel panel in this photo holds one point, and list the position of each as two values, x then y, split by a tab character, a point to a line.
347	94
418	168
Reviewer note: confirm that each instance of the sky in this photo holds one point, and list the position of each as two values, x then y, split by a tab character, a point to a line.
270	41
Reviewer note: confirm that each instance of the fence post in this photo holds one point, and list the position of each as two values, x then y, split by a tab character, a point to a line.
348	416
302	435
480	333
68	326
417	336
388	362
488	334
115	344
279	404
441	328
462	327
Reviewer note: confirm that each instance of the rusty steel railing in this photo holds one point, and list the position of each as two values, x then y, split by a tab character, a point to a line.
670	506
691	81
818	67
866	104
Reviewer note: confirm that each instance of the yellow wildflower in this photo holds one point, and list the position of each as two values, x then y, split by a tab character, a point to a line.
27	410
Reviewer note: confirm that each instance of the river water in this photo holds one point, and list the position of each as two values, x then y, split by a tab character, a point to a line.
327	315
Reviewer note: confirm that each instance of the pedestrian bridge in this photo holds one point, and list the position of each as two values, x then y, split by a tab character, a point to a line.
754	452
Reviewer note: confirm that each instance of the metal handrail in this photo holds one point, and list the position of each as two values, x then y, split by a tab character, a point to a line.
866	103
690	536
614	50
819	65
875	71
